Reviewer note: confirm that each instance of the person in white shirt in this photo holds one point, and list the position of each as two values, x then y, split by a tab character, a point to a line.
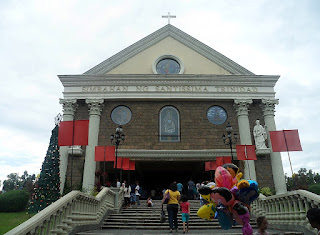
118	184
137	194
262	225
127	191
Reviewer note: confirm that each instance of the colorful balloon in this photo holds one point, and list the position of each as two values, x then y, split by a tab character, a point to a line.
223	178
207	212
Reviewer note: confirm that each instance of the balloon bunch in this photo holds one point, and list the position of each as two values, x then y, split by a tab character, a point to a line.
229	199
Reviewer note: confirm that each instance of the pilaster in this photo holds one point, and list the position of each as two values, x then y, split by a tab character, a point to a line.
268	106
95	108
69	107
241	106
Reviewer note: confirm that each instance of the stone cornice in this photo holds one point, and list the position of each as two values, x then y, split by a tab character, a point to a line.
159	35
174	155
185	79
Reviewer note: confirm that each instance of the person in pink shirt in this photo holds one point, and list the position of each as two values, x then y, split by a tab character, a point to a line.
185	207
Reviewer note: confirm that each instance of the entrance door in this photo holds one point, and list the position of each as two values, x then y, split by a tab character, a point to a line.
158	175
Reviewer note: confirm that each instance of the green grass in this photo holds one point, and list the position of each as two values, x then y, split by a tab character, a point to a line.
10	220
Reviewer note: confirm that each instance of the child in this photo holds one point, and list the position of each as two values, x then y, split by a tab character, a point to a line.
262	225
185	207
149	202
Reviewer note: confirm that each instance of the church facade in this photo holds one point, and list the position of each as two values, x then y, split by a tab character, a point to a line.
174	97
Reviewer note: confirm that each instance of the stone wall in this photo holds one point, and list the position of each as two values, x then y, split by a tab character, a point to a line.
196	131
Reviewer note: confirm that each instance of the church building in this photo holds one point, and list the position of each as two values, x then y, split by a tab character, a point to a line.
173	97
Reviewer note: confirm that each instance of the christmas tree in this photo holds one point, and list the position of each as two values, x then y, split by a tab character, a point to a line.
47	187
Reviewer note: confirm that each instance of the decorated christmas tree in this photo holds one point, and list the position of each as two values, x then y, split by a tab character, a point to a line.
47	186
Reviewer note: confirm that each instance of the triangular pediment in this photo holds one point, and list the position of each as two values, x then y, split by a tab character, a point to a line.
197	57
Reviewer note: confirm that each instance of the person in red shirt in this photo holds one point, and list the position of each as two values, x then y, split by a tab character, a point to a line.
185	207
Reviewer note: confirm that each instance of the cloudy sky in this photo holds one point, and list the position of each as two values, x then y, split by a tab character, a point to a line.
42	39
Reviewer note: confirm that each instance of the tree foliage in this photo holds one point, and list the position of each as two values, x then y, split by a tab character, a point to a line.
47	188
14	181
304	179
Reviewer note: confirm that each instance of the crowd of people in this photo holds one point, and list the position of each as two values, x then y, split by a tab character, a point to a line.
179	196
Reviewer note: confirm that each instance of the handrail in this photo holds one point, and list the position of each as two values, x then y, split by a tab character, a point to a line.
72	210
287	210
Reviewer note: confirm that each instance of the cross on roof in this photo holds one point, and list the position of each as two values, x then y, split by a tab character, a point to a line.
168	16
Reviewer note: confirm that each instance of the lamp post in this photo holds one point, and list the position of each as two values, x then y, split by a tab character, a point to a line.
117	139
231	140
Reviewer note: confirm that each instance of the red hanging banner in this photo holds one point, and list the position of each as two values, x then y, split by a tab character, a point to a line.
132	165
227	160
125	164
207	166
79	133
219	161
119	163
285	140
246	152
105	153
99	153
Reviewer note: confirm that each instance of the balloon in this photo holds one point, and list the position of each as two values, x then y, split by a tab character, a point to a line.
222	196
248	194
241	214
234	172
224	217
223	178
207	211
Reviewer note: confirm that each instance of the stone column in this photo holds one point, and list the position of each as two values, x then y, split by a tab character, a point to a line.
69	107
267	106
241	106
95	108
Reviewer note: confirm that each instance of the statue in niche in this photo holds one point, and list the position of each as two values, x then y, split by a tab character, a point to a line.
260	135
169	126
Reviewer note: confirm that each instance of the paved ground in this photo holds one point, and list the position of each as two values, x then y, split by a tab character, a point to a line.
158	232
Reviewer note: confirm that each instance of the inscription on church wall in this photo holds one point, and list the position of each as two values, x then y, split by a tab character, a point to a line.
201	89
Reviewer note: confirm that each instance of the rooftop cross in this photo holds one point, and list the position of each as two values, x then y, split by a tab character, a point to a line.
168	16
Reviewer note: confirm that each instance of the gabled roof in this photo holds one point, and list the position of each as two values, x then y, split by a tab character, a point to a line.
159	35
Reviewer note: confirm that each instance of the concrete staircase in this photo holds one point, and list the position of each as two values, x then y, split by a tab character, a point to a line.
146	220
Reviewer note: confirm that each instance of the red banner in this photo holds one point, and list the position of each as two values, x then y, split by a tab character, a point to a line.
132	165
119	163
126	164
246	152
105	153
207	166
69	136
285	140
227	160
219	161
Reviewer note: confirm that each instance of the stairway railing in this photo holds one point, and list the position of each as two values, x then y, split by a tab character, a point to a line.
75	209
287	211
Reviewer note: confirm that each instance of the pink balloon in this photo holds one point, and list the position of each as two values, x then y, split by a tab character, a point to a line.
223	178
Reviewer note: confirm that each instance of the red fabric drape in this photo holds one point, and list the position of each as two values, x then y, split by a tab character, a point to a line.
79	134
285	140
246	152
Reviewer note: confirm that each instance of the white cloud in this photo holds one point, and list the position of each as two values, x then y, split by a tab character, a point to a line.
45	38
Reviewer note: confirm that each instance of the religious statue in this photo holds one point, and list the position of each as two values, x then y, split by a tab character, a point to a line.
260	135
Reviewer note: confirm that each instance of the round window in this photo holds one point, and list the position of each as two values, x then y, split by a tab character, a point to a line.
121	115
217	115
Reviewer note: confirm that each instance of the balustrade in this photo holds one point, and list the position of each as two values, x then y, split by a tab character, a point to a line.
74	209
287	209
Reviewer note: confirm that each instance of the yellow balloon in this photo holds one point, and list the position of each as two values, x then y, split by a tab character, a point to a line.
207	212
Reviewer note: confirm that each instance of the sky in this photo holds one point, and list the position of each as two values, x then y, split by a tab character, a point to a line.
42	39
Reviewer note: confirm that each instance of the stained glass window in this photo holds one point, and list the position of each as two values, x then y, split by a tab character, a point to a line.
169	122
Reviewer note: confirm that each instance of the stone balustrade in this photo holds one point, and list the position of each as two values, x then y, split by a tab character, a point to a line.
287	211
72	211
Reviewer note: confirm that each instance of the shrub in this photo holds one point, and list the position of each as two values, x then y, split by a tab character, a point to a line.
315	188
266	191
14	201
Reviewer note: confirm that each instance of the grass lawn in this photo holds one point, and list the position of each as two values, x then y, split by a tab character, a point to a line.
9	220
